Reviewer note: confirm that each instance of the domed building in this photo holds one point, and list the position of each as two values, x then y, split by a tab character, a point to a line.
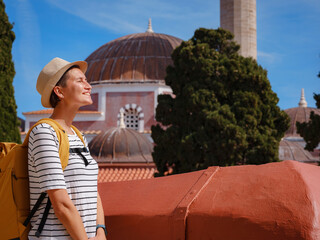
127	75
122	154
292	145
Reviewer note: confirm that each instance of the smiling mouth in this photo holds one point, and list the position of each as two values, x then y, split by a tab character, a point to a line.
88	94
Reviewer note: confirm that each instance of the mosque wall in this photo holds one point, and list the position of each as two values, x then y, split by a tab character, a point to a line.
117	100
142	102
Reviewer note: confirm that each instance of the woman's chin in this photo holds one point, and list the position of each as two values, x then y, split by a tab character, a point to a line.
86	103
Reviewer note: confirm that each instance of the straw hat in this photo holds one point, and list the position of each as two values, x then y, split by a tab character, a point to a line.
51	74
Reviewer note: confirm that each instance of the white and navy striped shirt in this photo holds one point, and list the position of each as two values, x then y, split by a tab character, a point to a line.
45	173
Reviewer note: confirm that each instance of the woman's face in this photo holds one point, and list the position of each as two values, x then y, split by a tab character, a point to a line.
77	91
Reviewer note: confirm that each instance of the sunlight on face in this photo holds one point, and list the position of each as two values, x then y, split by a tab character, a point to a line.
77	91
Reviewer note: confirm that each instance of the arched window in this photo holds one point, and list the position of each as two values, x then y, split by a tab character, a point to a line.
133	117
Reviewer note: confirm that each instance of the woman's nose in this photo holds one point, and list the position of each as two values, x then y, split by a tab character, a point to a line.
88	86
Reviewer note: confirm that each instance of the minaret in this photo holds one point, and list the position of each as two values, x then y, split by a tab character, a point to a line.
239	17
303	102
149	30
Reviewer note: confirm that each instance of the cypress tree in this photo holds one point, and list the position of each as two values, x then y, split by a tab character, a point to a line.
9	122
223	112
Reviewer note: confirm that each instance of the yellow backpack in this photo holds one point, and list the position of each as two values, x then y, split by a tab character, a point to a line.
14	182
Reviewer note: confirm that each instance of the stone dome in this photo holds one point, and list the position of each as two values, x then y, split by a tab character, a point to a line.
292	145
298	114
294	150
140	57
121	145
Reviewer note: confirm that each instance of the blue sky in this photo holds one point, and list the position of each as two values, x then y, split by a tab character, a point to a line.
288	37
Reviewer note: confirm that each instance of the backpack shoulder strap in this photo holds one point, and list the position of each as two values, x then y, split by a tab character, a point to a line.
62	138
79	134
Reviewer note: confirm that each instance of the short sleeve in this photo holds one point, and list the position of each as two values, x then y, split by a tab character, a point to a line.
44	154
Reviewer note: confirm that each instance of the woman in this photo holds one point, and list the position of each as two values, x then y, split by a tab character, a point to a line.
76	211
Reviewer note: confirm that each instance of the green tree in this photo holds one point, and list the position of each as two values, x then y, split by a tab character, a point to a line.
8	115
223	111
310	131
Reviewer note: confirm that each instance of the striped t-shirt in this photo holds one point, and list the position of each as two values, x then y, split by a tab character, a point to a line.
45	173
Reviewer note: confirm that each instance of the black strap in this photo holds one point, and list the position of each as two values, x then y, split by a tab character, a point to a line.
43	195
44	218
45	214
80	151
35	208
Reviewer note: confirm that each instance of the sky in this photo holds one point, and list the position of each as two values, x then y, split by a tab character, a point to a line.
288	37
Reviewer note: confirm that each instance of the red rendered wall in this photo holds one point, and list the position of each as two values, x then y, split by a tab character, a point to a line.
272	201
142	209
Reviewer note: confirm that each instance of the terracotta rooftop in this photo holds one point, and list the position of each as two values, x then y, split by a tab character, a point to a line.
125	172
137	57
90	132
50	111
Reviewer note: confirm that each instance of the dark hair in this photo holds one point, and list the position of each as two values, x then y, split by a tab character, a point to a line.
54	99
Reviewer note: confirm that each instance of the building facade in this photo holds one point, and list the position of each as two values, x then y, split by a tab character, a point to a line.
127	75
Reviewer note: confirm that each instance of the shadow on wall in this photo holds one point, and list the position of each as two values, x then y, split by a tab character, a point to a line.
271	201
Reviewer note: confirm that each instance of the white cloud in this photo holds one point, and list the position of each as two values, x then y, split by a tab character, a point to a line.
269	58
131	16
98	13
29	40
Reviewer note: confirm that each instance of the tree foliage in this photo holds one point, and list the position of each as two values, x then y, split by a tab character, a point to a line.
9	122
223	111
310	131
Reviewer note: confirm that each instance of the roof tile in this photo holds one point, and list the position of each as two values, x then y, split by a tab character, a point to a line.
50	111
125	172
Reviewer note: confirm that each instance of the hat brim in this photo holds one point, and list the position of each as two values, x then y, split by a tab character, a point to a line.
45	97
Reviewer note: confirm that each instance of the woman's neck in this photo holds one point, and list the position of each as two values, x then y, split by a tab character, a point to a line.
64	116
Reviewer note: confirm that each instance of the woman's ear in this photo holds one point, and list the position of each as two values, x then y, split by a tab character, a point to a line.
58	91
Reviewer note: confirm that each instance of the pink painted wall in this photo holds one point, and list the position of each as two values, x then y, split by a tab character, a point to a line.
115	101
